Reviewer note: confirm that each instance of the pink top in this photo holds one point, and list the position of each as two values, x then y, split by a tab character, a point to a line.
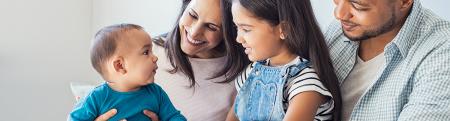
208	101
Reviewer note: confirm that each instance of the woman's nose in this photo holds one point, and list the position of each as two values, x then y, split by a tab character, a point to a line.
195	31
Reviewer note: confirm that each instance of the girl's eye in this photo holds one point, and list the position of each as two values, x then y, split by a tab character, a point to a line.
245	30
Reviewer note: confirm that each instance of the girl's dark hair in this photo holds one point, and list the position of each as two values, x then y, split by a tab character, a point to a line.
303	37
236	60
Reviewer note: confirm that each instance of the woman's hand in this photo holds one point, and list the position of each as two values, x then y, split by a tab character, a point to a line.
112	112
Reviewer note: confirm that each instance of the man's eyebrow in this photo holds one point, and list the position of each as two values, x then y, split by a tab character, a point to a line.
360	2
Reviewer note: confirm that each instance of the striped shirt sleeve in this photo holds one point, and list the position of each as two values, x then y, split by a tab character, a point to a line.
306	80
239	81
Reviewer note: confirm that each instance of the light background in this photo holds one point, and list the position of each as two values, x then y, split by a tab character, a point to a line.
44	45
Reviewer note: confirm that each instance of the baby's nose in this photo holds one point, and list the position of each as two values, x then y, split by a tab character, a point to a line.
155	59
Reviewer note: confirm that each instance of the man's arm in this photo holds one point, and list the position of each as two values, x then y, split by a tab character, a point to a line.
430	96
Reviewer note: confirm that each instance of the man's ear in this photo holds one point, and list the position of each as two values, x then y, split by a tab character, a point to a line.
119	65
406	4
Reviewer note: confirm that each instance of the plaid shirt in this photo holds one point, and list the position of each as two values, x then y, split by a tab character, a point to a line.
414	84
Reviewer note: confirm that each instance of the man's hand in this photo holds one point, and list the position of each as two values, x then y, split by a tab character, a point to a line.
107	115
151	115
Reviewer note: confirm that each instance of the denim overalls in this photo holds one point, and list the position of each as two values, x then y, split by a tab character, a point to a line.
261	96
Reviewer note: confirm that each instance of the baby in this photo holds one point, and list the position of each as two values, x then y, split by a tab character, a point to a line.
122	54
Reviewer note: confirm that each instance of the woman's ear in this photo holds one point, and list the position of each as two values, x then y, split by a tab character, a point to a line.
119	65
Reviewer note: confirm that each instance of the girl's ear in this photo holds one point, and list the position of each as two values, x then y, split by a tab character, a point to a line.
119	65
282	29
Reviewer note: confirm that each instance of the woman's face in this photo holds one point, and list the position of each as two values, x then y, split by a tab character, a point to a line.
200	29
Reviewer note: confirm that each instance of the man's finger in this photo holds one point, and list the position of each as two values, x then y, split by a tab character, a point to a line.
107	115
151	115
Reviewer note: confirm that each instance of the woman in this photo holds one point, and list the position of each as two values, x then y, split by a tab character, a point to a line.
202	64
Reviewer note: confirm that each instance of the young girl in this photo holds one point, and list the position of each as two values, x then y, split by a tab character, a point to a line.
292	77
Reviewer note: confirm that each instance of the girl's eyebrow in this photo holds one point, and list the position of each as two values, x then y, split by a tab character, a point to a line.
247	25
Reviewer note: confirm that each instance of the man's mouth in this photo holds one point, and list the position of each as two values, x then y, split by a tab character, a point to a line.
348	26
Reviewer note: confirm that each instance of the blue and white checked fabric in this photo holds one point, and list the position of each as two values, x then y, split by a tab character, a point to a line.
415	82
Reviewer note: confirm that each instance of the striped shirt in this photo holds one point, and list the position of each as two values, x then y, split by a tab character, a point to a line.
414	84
306	80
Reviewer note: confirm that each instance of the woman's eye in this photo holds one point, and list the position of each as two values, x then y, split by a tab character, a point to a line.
212	28
192	15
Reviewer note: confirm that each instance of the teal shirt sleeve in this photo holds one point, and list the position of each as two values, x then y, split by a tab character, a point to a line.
167	112
85	110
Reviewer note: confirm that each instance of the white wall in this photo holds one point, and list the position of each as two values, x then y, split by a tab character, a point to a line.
43	45
156	16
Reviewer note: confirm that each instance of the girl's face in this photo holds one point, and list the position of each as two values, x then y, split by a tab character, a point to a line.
200	29
260	39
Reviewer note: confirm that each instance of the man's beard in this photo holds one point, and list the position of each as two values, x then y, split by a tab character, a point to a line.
371	33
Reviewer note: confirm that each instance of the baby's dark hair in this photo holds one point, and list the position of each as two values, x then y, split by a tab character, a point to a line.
105	43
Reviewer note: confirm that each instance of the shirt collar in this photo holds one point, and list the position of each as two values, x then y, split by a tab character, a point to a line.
409	32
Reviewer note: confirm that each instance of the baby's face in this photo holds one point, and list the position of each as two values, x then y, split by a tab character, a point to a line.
140	62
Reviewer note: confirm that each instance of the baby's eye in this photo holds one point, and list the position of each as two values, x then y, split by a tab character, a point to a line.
145	52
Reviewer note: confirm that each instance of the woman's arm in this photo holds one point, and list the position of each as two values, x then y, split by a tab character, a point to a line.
303	106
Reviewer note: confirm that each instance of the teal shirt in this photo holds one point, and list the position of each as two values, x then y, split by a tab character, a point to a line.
129	105
414	84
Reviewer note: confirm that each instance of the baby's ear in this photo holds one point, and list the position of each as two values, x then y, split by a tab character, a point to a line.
119	65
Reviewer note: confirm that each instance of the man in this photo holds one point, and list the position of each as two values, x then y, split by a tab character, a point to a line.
392	58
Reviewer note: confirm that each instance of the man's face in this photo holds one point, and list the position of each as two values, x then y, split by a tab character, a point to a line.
365	19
